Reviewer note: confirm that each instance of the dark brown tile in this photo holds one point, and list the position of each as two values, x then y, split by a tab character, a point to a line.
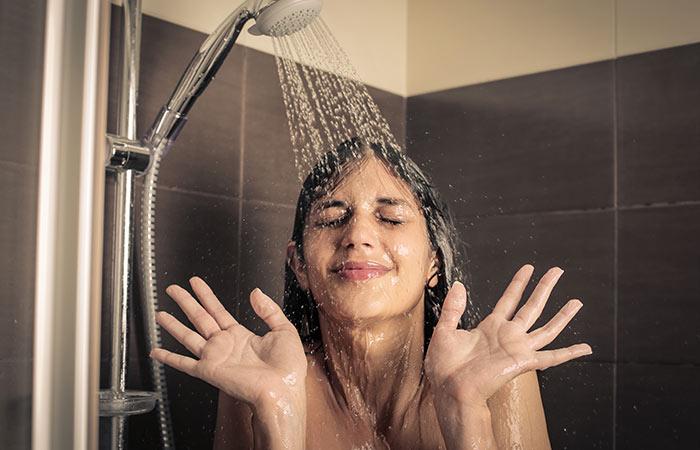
18	200
657	406
195	235
206	155
580	243
532	143
659	287
578	405
658	110
22	55
393	108
266	229
16	404
193	411
268	162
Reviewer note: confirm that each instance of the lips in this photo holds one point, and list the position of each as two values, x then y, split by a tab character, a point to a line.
361	270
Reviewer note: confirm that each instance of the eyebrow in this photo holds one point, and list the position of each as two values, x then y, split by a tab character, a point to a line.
335	203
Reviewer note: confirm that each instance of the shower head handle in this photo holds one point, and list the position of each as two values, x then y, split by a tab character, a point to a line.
276	18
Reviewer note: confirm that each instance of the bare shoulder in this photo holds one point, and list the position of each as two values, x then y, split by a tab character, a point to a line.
234	424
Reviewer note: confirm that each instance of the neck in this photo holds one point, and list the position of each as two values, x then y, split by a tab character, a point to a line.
375	368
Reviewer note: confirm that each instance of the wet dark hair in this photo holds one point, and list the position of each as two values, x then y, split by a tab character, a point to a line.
299	306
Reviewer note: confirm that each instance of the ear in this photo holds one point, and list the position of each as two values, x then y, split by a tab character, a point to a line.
433	271
297	266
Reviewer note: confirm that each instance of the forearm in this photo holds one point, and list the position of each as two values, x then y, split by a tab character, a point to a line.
466	426
280	424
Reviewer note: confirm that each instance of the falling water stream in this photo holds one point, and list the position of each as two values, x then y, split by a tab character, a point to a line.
326	103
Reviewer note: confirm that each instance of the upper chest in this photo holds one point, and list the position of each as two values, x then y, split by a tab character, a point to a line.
329	426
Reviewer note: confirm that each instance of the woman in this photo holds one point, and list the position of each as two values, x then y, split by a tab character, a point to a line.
372	352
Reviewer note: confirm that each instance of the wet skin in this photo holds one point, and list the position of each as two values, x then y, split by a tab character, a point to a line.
367	259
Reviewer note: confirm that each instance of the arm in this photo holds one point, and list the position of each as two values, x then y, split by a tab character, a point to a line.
270	427
518	415
469	368
265	374
512	418
234	424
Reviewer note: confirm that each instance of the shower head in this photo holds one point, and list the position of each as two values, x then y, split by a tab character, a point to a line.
285	17
273	18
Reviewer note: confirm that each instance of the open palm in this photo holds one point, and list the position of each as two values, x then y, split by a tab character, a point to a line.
230	357
470	366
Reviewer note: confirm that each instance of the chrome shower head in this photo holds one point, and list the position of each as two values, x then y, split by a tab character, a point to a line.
273	18
285	17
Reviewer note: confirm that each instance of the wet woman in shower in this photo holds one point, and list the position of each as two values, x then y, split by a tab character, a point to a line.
372	350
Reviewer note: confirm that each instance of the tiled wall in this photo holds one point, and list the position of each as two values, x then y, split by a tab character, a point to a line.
594	168
226	194
21	53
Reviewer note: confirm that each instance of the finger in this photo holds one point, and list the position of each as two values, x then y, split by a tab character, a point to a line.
531	310
511	296
546	334
200	318
191	340
453	307
269	311
212	304
182	363
550	358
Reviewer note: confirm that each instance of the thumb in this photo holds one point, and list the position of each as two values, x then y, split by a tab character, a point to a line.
453	307
269	311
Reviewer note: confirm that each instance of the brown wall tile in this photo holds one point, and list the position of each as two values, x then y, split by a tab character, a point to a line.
657	406
659	286
18	201
265	231
540	142
22	56
581	244
578	405
659	136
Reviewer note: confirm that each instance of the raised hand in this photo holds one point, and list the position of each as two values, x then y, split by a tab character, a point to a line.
255	369
470	366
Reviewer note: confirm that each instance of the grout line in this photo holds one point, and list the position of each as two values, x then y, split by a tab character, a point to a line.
19	165
197	193
616	221
615	208
227	197
269	203
241	184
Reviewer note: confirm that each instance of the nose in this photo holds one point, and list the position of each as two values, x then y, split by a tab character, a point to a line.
360	233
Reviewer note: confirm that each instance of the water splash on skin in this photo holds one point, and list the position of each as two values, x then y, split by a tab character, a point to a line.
291	379
402	250
285	407
375	338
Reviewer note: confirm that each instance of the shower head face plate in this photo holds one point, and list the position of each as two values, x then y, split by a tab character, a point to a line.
285	17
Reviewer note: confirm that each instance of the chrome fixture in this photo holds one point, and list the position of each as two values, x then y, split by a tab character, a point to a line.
128	156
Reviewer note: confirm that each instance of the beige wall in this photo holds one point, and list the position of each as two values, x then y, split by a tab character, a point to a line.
410	47
461	42
372	32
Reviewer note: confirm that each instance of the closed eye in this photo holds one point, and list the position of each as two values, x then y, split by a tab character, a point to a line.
391	221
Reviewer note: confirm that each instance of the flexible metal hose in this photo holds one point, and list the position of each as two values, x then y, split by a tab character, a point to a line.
149	294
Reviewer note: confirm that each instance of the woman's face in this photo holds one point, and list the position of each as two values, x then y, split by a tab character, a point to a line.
366	249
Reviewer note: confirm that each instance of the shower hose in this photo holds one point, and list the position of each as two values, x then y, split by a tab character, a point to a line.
149	294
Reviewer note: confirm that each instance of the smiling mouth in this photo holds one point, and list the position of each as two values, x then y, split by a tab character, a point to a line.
359	271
